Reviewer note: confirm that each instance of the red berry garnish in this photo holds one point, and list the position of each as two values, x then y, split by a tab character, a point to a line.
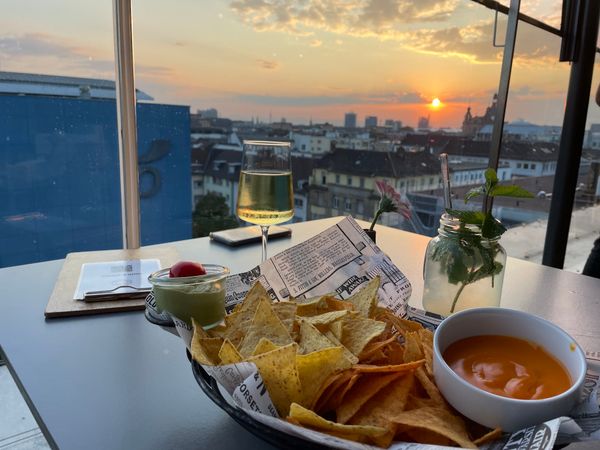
186	269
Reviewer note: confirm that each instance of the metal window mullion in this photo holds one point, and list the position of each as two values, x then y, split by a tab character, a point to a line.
572	135
126	124
505	72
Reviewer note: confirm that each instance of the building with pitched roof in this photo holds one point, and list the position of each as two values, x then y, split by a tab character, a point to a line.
525	159
343	182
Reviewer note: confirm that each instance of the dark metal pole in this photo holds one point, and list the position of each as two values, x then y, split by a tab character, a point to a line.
507	62
571	140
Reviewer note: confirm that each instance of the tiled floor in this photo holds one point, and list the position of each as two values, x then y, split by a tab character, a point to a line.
18	429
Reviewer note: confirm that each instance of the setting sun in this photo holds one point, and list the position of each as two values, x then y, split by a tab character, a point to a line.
436	103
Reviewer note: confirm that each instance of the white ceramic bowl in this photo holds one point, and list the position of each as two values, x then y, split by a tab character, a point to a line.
494	410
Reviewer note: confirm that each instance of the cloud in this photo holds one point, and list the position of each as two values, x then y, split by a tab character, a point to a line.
33	50
426	26
474	43
355	17
316	43
37	44
265	64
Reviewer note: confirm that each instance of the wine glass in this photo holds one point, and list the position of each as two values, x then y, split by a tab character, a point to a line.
265	194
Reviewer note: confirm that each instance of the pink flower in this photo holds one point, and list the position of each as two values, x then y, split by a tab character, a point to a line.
391	201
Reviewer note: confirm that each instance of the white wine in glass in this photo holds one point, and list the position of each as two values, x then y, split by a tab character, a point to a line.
265	194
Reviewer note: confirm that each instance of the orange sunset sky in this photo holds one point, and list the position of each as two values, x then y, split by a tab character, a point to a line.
303	60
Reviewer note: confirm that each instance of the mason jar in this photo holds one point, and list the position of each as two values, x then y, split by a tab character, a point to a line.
462	269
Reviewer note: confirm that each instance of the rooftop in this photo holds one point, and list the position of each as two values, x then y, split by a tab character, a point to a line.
515	150
379	164
59	86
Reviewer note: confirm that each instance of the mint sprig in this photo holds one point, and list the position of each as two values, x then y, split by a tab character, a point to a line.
470	257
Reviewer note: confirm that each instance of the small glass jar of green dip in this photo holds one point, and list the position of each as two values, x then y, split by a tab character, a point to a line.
201	296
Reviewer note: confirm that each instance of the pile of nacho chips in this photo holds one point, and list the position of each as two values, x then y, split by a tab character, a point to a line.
348	368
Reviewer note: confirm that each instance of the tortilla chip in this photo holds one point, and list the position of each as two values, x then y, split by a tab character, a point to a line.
228	354
311	306
264	324
353	359
340	394
218	331
412	347
365	300
359	433
496	433
244	312
256	292
363	390
417	402
406	367
264	346
198	330
430	387
286	311
278	371
423	436
394	353
401	325
358	331
336	329
374	346
311	339
315	368
206	350
326	318
330	387
334	304
426	339
388	402
435	420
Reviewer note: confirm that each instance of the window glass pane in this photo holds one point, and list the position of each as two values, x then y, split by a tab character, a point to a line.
304	72
547	11
585	221
59	163
531	139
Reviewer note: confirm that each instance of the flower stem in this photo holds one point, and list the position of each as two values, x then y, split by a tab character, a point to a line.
460	289
377	214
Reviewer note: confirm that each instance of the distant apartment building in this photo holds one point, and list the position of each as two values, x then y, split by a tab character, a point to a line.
423	123
210	113
216	170
393	125
343	182
522	131
350	120
310	144
301	171
593	137
524	159
473	173
354	142
370	121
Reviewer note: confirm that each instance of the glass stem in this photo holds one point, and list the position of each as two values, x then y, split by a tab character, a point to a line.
265	235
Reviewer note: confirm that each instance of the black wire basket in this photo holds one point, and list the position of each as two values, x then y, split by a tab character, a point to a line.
275	437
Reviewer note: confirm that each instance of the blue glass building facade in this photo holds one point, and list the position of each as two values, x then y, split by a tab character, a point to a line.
59	176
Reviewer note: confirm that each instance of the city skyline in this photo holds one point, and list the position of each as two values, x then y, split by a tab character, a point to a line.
304	61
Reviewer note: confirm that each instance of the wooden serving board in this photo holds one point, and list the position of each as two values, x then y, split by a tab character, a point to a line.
61	303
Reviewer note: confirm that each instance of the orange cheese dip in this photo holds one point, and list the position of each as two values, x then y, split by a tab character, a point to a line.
508	366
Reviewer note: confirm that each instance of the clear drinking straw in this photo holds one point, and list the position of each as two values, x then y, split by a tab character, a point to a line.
446	180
